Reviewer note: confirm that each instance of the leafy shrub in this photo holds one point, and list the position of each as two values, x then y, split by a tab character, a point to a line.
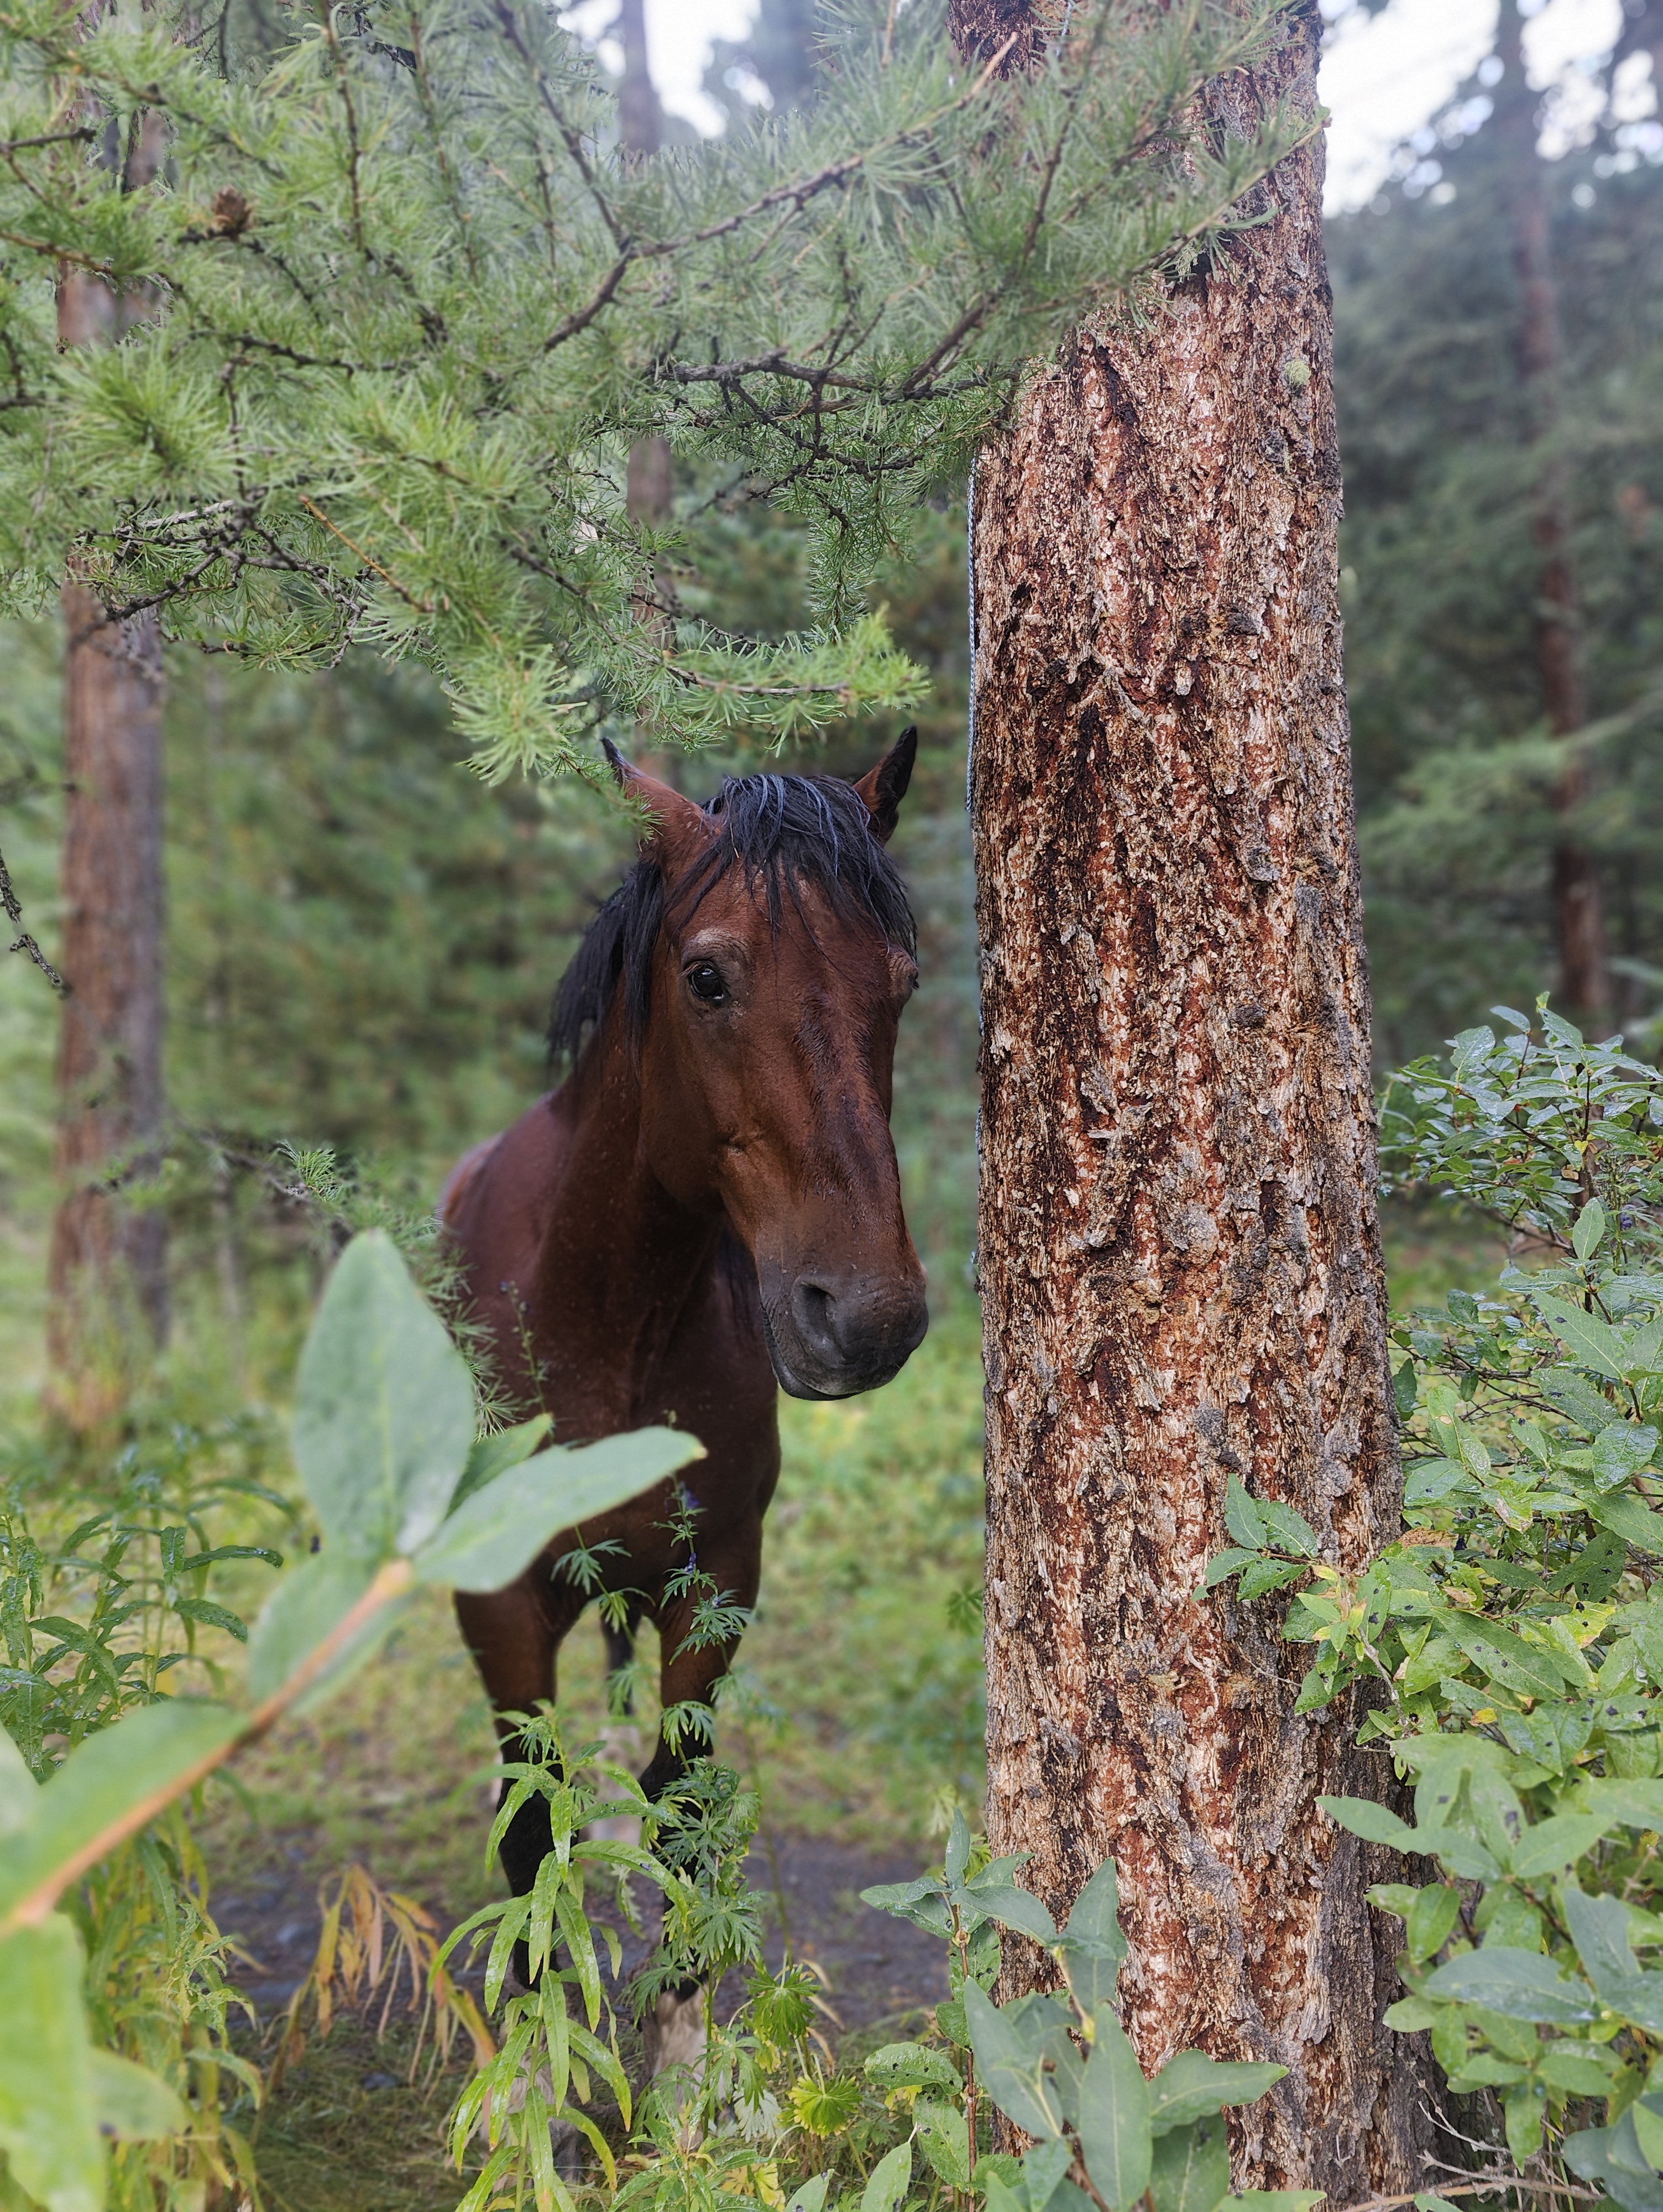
1514	1636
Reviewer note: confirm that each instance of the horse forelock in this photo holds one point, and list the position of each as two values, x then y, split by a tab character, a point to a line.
787	833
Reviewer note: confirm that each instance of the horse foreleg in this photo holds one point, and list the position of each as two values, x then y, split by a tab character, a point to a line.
689	1671
514	1635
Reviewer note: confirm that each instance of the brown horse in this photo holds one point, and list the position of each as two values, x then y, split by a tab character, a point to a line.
708	1204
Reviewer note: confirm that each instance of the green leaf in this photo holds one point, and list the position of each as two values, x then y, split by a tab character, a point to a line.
1265	1576
911	2066
1405	1389
305	1607
384	1416
921	1902
1523	2111
1241	1515
1587	1230
1190	2085
1275	2200
1190	2171
1626	1515
1093	1946
889	2177
1224	1565
145	1755
1288	1531
1648	2133
1043	2170
48	2125
497	1533
1589	1340
493	1455
1558	1842
1361	1816
132	2104
1116	2138
957	1856
811	2196
942	2133
1522	1985
18	1789
1620	1450
1432	1916
208	1615
1011	1907
1012	2065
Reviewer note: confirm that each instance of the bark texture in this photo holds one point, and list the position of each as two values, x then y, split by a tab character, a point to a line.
108	1276
1178	1251
1585	990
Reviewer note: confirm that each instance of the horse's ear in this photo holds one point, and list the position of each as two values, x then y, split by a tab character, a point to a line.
884	786
675	818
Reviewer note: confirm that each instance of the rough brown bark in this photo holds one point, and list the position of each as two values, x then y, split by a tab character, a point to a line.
107	1284
1585	990
1178	1249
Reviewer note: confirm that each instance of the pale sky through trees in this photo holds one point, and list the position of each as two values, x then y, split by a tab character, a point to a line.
1384	77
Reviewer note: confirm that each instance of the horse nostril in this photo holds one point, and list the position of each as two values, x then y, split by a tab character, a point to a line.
815	1312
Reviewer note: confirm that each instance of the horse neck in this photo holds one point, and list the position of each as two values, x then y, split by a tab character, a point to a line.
620	1257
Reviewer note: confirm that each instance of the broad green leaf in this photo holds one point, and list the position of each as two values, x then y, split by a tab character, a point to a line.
1361	1816
147	1754
1287	1530
1589	1340
1522	2113
48	2125
1012	2065
1265	1576
307	1605
1095	1921
1626	1515
1577	2071
921	1902
1404	1388
1557	1842
1094	1946
496	1534
1430	2200
1011	1907
1620	1450
1587	1230
1190	2171
941	2131
957	1857
1241	1515
18	1789
1648	2132
1614	2155
1521	1984
384	1416
492	1456
1431	1917
1275	2200
811	2196
1043	2169
1116	2140
911	2066
1224	1565
1191	2086
132	2104
889	2177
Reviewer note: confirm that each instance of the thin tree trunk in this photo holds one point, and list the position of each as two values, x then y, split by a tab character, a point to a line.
108	1283
1578	906
650	481
1178	1249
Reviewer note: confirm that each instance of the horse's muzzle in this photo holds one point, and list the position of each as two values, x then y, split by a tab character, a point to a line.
833	1336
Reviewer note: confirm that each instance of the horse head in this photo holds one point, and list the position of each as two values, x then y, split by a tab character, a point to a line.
765	1010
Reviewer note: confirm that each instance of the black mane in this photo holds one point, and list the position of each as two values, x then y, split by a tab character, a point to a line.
787	833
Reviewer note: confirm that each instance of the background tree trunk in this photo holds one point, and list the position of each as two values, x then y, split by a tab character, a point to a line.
1178	1249
108	1283
1585	984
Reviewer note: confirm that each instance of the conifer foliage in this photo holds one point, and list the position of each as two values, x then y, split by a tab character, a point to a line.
410	307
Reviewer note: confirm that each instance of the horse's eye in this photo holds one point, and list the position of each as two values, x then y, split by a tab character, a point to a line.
705	981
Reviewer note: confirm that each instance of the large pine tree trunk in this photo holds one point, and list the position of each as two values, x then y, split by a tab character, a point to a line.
1585	986
1178	1249
108	1291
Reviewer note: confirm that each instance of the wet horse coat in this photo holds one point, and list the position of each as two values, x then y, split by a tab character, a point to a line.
708	1208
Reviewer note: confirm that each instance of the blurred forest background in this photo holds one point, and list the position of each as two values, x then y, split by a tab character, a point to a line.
363	939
